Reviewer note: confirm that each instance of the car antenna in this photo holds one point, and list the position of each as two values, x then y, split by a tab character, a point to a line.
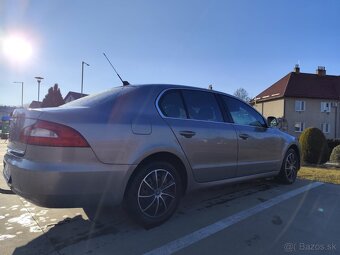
125	83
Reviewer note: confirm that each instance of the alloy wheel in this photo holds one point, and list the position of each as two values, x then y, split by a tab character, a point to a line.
156	193
291	166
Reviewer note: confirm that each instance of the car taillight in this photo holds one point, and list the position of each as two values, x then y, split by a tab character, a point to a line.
45	133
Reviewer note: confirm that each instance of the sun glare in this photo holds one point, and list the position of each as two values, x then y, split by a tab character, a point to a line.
17	48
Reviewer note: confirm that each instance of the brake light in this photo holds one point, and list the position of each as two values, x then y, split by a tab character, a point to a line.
45	133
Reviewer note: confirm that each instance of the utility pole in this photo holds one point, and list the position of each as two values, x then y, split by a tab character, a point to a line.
82	76
22	92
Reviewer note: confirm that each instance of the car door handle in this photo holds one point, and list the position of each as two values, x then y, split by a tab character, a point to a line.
244	136
187	134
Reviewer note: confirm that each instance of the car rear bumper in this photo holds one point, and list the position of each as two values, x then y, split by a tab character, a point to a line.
59	185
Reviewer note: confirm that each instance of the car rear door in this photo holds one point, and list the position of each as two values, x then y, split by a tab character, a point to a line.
209	143
259	148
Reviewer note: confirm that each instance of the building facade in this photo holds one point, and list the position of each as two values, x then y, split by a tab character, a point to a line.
71	96
302	100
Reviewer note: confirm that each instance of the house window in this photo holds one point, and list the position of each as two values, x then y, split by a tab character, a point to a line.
299	126
325	127
299	106
325	107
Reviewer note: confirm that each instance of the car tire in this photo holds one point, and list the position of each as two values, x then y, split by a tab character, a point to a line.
153	194
289	168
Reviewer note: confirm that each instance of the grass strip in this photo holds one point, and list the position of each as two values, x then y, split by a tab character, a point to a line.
320	174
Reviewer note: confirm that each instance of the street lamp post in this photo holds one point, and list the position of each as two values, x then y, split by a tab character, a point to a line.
82	75
39	80
22	92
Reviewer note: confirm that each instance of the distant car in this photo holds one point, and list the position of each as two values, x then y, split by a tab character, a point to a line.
4	127
145	146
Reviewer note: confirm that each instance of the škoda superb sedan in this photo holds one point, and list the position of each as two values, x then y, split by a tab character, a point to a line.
144	146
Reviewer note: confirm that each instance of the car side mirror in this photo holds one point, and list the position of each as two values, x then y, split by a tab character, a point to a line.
272	121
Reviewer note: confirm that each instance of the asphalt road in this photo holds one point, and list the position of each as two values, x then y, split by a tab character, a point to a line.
258	217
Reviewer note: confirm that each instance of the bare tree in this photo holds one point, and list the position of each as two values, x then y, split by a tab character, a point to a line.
242	94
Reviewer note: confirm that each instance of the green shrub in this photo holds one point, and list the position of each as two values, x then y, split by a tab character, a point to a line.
314	147
332	143
335	156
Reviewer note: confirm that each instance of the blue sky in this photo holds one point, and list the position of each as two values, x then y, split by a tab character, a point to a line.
229	44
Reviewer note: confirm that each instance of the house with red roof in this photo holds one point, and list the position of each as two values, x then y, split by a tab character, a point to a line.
302	100
71	96
35	104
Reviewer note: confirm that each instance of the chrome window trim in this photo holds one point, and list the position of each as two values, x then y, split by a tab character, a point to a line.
157	104
203	90
179	89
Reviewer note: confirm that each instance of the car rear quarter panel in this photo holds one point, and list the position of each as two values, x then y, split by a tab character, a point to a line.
124	131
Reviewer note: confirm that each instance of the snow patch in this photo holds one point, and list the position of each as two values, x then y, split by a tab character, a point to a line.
4	237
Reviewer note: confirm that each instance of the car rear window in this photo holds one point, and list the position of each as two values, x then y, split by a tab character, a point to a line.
171	105
202	106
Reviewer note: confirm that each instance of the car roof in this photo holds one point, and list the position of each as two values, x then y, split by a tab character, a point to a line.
175	86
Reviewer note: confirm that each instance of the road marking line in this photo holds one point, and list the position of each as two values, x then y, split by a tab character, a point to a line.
207	231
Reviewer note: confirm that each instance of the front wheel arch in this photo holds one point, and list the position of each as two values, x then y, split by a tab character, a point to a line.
290	167
297	151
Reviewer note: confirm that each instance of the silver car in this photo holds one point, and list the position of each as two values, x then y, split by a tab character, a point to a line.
143	146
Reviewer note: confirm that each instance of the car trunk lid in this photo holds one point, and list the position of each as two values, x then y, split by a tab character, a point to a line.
20	119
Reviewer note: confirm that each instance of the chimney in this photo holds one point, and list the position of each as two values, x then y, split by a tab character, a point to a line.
297	68
321	71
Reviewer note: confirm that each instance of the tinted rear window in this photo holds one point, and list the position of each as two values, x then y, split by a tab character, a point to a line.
202	105
172	106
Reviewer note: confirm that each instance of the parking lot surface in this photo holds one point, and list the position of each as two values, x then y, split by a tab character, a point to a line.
258	217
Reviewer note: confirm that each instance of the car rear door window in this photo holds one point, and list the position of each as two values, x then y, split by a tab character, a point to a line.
242	113
202	105
171	105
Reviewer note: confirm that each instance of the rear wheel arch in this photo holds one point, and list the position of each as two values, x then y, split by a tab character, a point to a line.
163	157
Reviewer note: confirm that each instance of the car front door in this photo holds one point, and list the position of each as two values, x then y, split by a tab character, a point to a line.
259	147
209	143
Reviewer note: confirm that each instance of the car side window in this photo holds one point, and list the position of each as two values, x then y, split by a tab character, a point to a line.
171	105
242	113
202	105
